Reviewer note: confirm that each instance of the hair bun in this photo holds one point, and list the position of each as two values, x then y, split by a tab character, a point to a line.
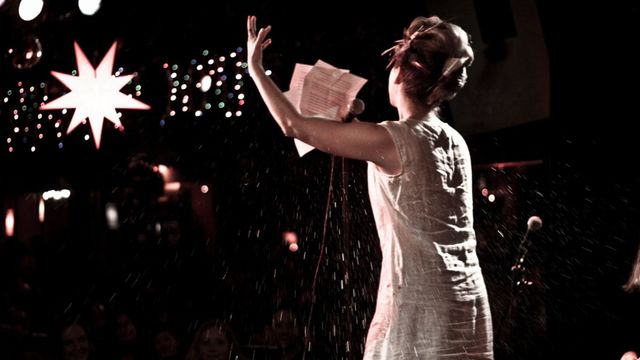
432	56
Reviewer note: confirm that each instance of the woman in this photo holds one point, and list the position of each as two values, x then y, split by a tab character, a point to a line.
214	340
432	301
75	343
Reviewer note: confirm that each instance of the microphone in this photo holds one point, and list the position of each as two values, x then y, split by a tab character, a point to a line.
356	107
533	224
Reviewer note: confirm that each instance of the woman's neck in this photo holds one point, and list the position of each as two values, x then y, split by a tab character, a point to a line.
410	110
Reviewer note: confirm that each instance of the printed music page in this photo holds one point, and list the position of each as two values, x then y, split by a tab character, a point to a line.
322	91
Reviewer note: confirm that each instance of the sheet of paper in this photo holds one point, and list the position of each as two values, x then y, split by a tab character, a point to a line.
302	147
322	91
327	91
297	80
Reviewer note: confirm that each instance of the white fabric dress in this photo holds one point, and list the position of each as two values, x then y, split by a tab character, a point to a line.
432	301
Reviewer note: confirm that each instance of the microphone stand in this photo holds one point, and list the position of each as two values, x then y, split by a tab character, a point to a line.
516	280
519	265
345	240
345	183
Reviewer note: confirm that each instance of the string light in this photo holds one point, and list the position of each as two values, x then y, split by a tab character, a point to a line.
30	130
206	79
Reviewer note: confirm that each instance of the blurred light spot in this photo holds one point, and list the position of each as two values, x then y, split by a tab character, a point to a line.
56	194
172	187
206	83
41	209
9	222
111	213
30	9
290	237
164	171
89	7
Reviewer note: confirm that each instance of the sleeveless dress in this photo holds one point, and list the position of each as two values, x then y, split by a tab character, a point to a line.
432	301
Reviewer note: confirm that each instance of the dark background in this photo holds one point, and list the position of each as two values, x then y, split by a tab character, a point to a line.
582	181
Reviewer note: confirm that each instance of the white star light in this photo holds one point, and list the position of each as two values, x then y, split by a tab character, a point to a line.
95	94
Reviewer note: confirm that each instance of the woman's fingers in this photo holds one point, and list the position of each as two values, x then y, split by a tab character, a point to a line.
251	26
250	31
261	35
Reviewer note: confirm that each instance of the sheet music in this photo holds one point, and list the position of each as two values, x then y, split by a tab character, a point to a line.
322	90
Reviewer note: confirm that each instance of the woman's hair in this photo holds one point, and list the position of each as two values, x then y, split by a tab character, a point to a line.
224	328
432	57
81	335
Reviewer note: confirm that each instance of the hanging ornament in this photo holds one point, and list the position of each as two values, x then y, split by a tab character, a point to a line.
25	52
95	94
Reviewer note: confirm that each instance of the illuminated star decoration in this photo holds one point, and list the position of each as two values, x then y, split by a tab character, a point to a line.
95	94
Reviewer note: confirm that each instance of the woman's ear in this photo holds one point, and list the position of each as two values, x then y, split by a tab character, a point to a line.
394	75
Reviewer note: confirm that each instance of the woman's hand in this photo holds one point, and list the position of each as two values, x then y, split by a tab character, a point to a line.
256	42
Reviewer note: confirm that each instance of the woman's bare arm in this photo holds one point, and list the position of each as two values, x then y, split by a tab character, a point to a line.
356	140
